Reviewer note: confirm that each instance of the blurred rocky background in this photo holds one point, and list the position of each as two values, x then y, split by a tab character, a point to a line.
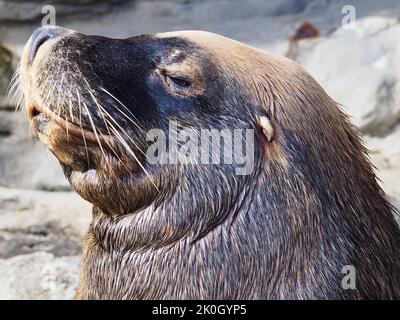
42	222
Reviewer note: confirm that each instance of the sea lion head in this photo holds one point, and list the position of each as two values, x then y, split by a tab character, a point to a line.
309	205
93	100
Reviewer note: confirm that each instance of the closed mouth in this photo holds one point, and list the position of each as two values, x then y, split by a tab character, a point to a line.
41	116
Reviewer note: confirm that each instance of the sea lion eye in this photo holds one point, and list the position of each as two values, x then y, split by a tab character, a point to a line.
178	81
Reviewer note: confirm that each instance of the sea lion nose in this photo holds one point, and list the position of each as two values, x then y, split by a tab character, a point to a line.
40	36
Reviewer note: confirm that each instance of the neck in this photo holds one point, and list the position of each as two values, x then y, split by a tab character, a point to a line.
178	216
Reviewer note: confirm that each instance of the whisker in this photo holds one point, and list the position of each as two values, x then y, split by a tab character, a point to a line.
70	108
19	102
126	108
67	127
58	95
133	155
102	111
113	129
106	123
125	144
122	129
98	105
80	124
48	100
13	87
15	91
95	131
14	79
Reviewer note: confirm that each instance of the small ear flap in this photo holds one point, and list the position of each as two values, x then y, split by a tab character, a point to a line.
266	125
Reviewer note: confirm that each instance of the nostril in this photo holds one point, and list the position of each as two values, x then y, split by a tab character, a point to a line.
40	36
37	42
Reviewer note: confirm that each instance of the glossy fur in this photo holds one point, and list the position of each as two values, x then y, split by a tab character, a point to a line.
311	206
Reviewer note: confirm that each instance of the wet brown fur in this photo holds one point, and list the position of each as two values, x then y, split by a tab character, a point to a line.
311	206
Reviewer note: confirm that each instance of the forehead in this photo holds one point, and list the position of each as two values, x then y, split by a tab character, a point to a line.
212	42
224	51
167	48
174	49
202	39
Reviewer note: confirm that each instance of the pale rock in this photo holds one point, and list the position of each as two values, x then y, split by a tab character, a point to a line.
24	161
32	221
385	155
38	276
360	69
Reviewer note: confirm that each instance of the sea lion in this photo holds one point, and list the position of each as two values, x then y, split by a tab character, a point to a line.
310	207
